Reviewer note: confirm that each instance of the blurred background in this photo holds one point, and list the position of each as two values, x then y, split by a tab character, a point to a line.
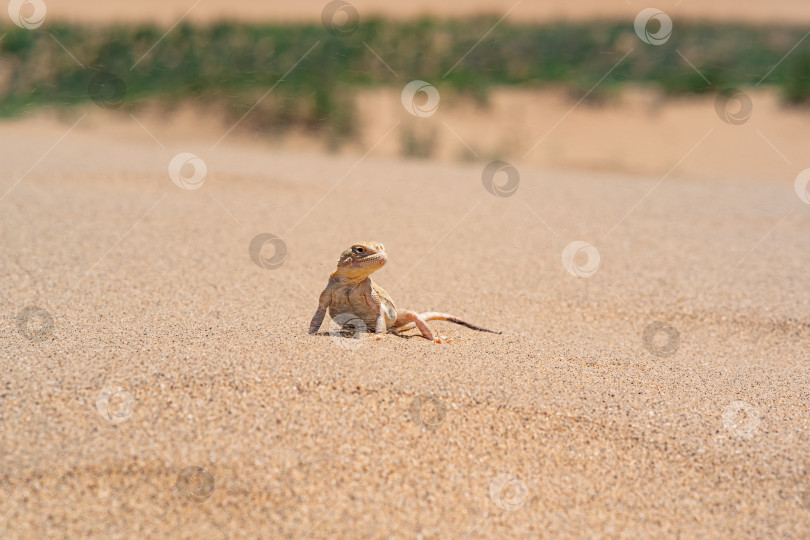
327	76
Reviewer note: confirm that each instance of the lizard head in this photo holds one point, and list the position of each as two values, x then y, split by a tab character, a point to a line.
360	260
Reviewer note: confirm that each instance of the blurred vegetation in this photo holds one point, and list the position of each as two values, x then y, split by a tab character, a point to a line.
232	65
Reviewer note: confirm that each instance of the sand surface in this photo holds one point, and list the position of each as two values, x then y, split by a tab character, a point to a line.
178	394
638	130
168	12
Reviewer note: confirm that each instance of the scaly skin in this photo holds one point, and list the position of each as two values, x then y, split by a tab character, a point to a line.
351	294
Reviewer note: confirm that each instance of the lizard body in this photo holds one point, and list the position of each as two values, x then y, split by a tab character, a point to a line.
351	294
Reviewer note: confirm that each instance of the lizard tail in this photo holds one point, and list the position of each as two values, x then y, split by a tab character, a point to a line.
436	316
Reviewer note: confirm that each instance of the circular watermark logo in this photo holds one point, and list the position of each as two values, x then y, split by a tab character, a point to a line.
107	90
187	170
421	99
504	188
341	18
802	186
652	337
508	492
580	259
115	404
28	14
733	106
428	412
260	248
35	323
741	419
195	483
341	325
653	26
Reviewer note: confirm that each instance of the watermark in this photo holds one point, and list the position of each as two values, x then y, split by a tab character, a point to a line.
343	323
651	339
754	334
572	259
428	412
115	404
505	188
341	18
259	251
804	498
35	323
28	14
741	419
733	106
187	170
195	483
802	186
508	492
107	90
653	26
421	99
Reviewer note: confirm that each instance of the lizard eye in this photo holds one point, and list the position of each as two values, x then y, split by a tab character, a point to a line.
359	249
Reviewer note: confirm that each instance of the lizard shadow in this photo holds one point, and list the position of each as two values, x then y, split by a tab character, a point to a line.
348	334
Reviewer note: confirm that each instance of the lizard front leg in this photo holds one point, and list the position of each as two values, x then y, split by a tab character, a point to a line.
323	304
374	301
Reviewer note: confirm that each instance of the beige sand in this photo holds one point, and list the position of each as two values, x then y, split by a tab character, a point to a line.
637	130
169	11
155	299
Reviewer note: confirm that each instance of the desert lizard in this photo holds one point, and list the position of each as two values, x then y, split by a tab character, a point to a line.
351	294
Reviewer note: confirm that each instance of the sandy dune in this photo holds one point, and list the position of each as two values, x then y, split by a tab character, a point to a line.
169	11
172	350
649	275
637	131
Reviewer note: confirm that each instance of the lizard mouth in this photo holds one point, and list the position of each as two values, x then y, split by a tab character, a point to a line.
379	258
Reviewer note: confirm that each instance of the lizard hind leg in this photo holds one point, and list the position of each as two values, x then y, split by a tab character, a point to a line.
408	319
